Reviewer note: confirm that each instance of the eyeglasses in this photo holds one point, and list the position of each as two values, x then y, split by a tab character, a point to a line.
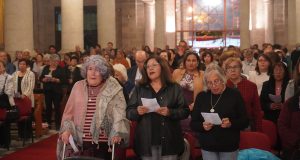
214	83
152	66
233	68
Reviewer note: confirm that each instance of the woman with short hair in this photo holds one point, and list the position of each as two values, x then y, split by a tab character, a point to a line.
53	77
95	113
248	90
219	141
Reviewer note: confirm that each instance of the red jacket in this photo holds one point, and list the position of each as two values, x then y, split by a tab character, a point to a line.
250	96
289	123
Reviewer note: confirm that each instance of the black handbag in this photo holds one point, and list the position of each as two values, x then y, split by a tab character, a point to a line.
4	102
12	114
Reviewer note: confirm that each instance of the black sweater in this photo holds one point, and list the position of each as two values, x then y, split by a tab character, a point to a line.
230	106
53	86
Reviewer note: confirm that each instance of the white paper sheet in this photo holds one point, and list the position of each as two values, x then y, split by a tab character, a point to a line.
212	118
71	141
151	104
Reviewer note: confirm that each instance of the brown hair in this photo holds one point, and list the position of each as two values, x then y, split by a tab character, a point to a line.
165	74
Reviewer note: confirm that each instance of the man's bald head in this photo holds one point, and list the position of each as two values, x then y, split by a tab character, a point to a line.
140	58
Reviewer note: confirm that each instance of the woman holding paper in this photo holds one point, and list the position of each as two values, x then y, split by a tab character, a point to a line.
272	93
219	139
158	134
95	113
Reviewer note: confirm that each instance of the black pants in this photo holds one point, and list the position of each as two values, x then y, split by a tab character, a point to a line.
55	98
25	128
5	134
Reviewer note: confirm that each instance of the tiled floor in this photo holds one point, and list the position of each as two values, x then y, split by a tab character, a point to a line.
17	143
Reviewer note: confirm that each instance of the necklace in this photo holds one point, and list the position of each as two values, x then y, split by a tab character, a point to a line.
214	105
93	91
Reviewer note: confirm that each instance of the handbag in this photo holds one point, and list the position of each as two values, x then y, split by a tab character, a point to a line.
12	114
4	102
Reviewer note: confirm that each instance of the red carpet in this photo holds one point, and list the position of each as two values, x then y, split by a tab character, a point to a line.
44	150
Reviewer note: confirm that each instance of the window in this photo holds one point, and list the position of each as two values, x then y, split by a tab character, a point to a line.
208	23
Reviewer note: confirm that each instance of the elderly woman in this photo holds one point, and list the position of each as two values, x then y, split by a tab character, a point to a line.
248	90
53	77
120	73
219	141
97	119
158	134
249	61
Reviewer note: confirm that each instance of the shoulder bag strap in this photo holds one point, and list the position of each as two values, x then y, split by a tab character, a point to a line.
3	89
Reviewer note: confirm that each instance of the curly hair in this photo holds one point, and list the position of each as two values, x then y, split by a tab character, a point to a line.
100	63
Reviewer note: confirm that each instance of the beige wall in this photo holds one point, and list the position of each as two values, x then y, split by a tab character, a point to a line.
1	24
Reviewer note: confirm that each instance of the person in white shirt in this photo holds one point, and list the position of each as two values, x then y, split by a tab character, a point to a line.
262	71
249	61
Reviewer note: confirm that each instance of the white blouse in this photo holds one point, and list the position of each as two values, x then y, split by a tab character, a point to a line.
258	79
9	90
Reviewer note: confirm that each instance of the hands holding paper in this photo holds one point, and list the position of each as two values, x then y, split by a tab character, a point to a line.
142	110
164	111
225	124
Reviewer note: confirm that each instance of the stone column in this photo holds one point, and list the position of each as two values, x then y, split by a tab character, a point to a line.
297	20
106	22
170	23
160	24
269	21
18	25
72	25
149	23
244	23
1	24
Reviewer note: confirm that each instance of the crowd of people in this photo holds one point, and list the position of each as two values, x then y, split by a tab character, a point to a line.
107	89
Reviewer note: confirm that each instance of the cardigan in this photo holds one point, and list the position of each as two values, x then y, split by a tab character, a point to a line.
110	102
8	87
250	96
27	84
